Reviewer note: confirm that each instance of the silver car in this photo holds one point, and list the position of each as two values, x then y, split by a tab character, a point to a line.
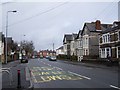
52	58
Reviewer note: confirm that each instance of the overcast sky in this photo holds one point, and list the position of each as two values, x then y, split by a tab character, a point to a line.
46	23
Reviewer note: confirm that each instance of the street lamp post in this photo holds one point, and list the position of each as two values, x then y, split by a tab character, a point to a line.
7	33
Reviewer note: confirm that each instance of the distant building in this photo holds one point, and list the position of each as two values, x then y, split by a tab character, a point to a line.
45	53
60	51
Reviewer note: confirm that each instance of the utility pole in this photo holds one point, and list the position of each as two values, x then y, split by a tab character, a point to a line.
6	52
53	46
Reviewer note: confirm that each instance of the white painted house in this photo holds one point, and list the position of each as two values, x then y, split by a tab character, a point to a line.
109	42
73	45
1	46
60	51
88	39
79	46
67	44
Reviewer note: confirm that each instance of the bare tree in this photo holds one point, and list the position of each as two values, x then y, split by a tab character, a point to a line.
28	46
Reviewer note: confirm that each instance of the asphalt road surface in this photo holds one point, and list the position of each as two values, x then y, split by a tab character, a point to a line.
57	74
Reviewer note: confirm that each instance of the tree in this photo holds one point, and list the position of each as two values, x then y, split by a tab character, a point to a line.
28	46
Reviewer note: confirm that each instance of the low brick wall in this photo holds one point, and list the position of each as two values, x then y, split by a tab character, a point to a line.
100	61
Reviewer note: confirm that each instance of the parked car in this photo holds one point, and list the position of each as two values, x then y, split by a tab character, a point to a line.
41	57
47	57
52	58
24	59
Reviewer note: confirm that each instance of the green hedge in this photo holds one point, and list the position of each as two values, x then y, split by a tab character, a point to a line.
66	57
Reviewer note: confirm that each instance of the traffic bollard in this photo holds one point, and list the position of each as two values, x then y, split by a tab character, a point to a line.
19	81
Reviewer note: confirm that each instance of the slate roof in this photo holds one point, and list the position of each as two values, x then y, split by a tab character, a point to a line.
60	48
78	34
74	35
9	40
112	28
68	37
91	26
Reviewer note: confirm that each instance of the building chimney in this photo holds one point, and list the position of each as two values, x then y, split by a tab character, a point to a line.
98	25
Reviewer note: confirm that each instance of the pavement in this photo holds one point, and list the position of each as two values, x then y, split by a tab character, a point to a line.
94	65
14	67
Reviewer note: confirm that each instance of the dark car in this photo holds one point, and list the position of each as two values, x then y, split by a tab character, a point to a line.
24	59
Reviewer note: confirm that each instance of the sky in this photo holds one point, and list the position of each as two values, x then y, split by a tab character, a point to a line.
46	22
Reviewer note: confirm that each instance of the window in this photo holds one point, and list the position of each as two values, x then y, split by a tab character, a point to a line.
80	43
86	41
103	39
103	53
86	52
118	52
106	38
119	35
108	52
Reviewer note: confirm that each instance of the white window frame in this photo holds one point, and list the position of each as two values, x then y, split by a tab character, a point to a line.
118	35
106	38
117	52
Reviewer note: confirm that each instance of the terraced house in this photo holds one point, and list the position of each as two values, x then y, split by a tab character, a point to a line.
73	45
67	44
1	47
90	38
110	42
79	46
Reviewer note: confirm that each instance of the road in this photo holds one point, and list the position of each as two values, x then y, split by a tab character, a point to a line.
57	74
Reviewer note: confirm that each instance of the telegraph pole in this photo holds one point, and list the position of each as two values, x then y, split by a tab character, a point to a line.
53	46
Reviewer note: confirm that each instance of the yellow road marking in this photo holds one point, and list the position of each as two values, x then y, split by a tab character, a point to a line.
46	74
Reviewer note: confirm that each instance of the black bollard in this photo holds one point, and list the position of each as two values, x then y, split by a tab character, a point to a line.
19	81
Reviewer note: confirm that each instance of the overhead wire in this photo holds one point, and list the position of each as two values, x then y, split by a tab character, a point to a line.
104	10
38	14
110	12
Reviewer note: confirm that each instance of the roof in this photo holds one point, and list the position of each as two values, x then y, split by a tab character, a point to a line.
9	40
60	48
78	34
92	27
68	37
115	27
74	35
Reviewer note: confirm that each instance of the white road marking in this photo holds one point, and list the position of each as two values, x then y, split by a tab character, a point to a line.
49	65
80	75
114	87
33	77
58	68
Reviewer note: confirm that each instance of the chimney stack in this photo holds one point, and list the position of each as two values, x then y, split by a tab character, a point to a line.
98	25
